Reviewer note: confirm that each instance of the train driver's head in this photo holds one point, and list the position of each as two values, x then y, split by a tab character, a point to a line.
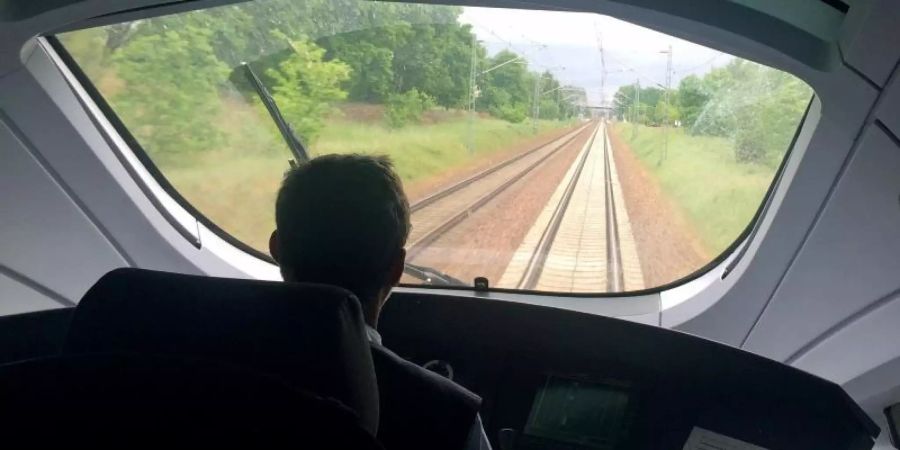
343	220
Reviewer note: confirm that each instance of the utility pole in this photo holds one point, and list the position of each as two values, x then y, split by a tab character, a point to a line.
474	75
559	113
536	102
602	72
473	93
665	153
635	111
602	68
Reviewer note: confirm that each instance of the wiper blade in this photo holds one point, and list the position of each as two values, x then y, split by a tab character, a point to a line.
293	142
431	276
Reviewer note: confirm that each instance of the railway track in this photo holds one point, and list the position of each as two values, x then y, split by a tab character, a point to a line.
576	244
542	250
614	276
434	216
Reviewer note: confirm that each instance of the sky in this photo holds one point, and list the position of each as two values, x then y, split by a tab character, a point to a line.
567	44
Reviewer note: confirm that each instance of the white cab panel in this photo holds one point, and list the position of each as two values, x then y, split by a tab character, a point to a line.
851	259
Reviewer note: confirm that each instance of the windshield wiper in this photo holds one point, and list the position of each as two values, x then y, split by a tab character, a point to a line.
431	276
293	142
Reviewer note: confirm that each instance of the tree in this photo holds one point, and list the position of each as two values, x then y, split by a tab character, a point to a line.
435	61
572	97
398	56
664	114
506	91
372	73
691	99
169	76
168	111
624	102
118	35
551	104
768	105
755	106
643	112
305	86
406	108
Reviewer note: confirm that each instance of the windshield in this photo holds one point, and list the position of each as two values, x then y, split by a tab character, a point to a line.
544	151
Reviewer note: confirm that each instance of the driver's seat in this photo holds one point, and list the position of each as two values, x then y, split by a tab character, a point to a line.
311	337
112	401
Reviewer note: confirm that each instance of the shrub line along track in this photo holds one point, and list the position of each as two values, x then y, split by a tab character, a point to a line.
441	212
576	244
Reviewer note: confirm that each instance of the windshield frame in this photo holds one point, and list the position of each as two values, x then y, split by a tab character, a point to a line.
736	249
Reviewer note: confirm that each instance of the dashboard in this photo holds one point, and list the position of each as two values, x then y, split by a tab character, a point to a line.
557	379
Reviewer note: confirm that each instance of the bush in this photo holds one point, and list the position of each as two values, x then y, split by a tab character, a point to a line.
408	107
169	112
749	145
306	85
510	113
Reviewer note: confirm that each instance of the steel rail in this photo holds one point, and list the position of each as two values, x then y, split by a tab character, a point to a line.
417	246
535	267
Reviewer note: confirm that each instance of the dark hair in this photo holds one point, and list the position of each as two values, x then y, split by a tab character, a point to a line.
341	220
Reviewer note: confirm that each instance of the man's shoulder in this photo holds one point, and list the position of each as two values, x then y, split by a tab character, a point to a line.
419	408
395	371
391	368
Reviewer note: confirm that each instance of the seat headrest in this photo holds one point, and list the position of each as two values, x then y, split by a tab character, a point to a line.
311	336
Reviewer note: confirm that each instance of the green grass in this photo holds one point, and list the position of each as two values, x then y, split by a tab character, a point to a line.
422	151
236	186
700	174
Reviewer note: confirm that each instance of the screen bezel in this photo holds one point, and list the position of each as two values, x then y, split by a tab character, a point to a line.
529	430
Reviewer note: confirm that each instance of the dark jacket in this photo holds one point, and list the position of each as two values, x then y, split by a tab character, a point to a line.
420	409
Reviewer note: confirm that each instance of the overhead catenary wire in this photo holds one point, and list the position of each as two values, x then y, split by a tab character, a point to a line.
628	68
475	74
509	45
708	62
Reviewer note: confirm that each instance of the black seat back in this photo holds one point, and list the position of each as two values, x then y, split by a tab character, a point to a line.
34	334
127	401
311	336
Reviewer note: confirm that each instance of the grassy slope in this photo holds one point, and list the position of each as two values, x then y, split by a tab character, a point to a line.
236	188
719	195
422	151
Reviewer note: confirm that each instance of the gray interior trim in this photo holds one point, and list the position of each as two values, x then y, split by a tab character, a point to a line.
105	133
37	287
856	71
870	118
162	9
70	194
834	329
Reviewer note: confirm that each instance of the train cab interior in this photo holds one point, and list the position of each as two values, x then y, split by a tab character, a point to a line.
635	224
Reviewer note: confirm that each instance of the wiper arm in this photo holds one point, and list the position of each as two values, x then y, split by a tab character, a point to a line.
432	276
293	142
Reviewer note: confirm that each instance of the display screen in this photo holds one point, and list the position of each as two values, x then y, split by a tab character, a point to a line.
588	414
